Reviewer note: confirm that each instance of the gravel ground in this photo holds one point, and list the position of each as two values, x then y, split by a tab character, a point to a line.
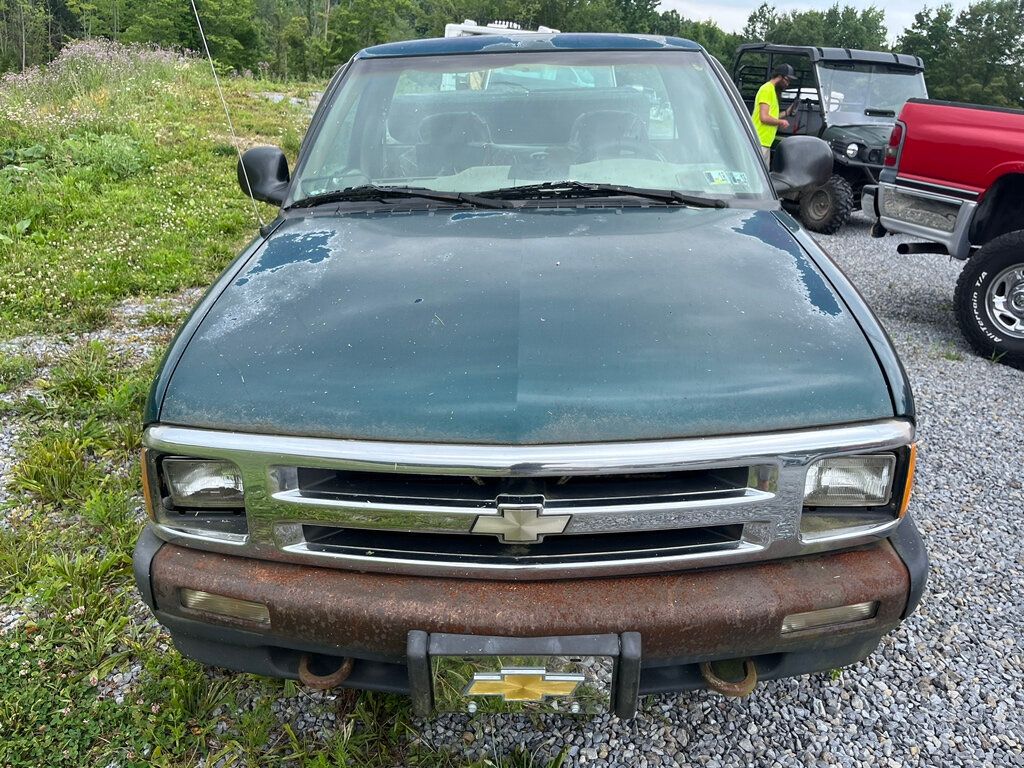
125	336
945	689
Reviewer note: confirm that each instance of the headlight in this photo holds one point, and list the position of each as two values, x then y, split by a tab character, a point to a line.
198	497
850	481
203	484
852	150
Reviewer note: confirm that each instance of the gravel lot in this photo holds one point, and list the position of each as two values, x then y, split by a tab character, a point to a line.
945	689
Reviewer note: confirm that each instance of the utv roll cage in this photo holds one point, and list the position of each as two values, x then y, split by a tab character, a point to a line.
749	76
857	149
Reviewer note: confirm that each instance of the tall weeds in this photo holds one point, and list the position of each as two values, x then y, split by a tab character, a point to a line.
90	81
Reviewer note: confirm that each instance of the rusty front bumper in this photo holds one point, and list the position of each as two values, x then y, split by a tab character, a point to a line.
683	618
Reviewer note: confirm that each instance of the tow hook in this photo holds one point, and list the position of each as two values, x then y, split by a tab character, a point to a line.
323	682
738	689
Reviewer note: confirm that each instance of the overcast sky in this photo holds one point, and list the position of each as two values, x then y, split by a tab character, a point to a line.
731	15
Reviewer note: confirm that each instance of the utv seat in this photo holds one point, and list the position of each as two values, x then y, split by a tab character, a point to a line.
608	133
450	142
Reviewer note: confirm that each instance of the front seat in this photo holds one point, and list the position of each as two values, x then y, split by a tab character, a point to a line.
450	142
607	133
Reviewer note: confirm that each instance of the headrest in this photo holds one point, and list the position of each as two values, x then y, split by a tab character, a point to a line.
454	128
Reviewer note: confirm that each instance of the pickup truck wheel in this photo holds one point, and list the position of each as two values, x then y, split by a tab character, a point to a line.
989	300
826	208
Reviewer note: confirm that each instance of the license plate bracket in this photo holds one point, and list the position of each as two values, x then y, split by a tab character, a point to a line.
572	674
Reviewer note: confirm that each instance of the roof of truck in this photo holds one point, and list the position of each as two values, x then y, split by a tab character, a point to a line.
520	41
837	54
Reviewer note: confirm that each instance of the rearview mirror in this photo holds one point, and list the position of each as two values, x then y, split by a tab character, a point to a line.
263	174
799	162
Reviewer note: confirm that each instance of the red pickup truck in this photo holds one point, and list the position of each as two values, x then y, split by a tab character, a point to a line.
954	177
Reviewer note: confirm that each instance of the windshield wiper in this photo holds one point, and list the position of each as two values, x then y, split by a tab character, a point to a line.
879	112
382	193
571	189
499	198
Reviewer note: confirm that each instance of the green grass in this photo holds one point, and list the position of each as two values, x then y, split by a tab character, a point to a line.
951	353
15	370
119	182
68	553
162	317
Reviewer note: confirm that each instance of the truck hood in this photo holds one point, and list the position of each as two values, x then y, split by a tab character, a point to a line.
531	326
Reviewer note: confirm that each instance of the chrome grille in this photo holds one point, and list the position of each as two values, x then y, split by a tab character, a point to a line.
621	507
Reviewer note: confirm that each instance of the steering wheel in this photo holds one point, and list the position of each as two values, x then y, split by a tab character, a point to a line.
627	148
794	115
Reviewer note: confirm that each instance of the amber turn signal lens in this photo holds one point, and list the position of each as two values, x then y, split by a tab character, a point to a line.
147	490
908	487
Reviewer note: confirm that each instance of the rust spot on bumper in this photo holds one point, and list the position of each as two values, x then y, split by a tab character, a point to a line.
715	613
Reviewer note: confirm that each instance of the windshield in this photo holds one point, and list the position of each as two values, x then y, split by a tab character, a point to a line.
856	94
483	122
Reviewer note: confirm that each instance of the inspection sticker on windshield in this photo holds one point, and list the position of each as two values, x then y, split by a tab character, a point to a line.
717	177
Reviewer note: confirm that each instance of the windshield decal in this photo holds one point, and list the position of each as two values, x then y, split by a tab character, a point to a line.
719	177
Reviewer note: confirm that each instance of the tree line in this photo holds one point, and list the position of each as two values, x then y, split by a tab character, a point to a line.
976	54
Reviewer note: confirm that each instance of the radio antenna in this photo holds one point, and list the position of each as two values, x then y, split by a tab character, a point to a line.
227	114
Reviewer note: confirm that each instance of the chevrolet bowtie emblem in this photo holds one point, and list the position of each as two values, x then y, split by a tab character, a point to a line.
520	523
522	684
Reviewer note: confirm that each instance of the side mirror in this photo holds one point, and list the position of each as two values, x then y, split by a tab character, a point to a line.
799	162
266	169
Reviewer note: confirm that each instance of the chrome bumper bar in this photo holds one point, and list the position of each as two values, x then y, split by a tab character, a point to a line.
931	216
769	515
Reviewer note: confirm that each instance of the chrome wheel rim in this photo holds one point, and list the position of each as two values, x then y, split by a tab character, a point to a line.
1004	301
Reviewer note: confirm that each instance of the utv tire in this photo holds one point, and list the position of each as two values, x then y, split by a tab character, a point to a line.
989	300
826	208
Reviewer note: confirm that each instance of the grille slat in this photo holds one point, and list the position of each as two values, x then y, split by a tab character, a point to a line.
572	490
385	545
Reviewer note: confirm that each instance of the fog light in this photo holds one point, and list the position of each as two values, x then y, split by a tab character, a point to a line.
827	617
225	606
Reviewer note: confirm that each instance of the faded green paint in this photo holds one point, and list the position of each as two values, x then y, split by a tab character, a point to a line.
532	326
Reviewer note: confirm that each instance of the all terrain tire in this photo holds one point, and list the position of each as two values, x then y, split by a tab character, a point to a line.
826	208
989	300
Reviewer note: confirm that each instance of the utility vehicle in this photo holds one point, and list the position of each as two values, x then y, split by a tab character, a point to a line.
849	98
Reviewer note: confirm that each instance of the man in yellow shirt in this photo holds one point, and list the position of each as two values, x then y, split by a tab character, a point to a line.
766	108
